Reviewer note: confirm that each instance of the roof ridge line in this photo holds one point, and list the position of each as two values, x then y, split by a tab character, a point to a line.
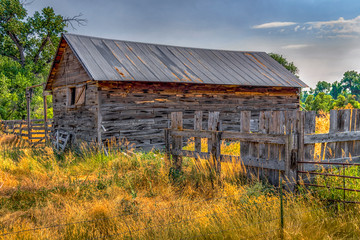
160	44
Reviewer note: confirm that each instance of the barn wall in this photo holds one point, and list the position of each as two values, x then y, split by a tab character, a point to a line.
140	111
82	120
70	71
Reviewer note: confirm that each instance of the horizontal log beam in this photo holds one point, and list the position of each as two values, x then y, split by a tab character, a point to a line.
192	154
255	162
255	137
332	137
248	162
246	137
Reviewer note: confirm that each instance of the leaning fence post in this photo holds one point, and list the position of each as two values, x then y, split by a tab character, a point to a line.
198	127
28	99
215	151
214	143
167	144
177	124
45	117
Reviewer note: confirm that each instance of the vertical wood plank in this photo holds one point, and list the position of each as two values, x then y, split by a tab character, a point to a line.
289	129
177	123
215	151
357	128
45	118
301	134
330	150
213	124
261	146
273	148
352	129
197	127
28	98
262	130
346	120
340	126
245	117
167	145
281	148
309	128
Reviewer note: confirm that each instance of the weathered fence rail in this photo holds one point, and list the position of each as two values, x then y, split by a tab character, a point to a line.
36	133
266	153
283	143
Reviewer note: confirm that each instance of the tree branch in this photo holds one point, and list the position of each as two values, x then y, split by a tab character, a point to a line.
41	48
19	46
76	20
12	57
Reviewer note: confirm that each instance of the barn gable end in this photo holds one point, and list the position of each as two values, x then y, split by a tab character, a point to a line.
80	118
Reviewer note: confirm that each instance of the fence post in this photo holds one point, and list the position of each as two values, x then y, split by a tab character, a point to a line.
245	117
177	124
294	149
198	127
167	145
45	117
28	99
300	143
281	211
215	151
290	158
213	125
214	144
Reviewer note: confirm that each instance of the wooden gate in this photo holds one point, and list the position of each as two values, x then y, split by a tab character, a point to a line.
285	144
270	153
36	133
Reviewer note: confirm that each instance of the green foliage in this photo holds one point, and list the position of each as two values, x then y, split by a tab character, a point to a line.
336	89
321	101
337	95
322	87
288	65
351	82
13	82
27	46
327	96
29	40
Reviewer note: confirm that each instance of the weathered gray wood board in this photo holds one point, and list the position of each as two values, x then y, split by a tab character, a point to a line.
35	134
276	142
284	144
140	111
81	121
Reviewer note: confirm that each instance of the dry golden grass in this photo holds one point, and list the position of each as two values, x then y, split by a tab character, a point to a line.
130	195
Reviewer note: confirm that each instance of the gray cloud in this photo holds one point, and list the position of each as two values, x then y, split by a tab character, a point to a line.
342	28
274	25
295	46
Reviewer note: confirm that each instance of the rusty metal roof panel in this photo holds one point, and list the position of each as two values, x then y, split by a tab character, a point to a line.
115	60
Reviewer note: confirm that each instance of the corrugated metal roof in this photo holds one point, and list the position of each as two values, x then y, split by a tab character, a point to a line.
116	60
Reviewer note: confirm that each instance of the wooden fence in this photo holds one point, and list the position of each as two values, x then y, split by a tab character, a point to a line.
285	142
36	133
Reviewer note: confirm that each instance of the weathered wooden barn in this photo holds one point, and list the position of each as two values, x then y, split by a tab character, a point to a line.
106	88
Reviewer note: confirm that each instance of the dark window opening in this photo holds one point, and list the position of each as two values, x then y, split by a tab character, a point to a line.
72	96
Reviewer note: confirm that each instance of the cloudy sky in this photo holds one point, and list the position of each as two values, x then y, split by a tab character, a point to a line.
322	37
